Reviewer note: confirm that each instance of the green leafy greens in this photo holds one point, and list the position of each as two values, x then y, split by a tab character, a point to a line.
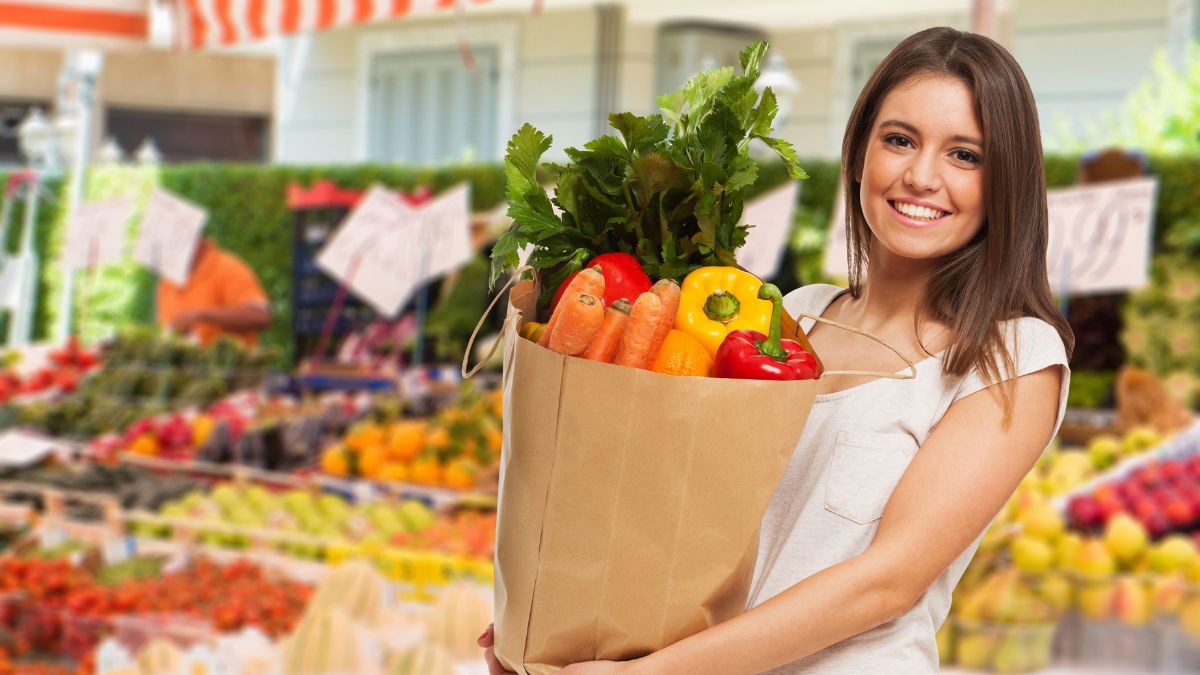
666	188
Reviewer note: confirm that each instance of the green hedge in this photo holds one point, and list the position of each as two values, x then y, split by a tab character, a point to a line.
248	215
49	225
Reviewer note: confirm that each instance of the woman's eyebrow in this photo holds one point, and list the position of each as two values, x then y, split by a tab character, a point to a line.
957	138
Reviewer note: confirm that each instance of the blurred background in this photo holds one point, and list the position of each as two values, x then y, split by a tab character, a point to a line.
166	418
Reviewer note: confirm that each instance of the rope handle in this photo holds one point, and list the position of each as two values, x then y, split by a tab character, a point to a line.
912	374
512	280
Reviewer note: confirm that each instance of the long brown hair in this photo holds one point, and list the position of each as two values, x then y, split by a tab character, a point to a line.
1001	273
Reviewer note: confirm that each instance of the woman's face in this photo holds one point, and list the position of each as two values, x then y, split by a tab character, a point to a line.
922	178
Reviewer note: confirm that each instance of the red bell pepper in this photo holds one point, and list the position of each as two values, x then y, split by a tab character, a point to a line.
623	278
750	355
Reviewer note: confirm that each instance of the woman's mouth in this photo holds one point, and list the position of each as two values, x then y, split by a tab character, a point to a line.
916	216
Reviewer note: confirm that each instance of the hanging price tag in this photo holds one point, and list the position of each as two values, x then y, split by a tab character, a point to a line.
97	233
169	234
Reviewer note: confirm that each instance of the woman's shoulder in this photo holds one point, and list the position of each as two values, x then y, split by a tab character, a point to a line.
1029	335
811	299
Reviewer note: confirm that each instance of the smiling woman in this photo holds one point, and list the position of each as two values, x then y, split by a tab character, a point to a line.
892	482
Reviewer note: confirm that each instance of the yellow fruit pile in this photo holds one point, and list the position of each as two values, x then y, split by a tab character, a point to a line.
452	449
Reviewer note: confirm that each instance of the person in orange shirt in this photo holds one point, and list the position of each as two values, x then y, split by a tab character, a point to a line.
221	297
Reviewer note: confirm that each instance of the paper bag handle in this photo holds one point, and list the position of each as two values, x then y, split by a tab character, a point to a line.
468	374
912	374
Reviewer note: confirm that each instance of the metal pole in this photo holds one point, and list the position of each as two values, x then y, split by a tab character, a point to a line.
84	67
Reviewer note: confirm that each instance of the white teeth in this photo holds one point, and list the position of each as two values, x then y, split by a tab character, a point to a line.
914	211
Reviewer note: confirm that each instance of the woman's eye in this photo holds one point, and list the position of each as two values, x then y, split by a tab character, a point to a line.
966	156
898	141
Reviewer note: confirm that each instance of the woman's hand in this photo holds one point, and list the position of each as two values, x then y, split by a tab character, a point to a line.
488	641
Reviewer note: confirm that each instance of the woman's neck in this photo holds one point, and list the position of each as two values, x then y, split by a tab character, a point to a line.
892	293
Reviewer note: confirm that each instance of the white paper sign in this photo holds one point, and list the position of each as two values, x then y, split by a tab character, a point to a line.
97	233
1100	236
771	215
445	229
169	235
385	249
21	449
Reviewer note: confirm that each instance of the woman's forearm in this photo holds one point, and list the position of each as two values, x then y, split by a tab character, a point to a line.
837	603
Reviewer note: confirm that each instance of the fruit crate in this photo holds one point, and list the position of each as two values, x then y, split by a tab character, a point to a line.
1004	648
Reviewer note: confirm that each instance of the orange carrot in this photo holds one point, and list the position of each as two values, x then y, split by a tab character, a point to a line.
639	332
608	338
589	281
668	292
581	315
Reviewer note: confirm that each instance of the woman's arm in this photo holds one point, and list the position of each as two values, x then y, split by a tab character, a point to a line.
958	481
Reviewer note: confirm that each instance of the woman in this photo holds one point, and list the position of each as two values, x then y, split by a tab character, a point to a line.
893	481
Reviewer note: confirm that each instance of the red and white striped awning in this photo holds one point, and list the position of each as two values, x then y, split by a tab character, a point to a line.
97	24
210	23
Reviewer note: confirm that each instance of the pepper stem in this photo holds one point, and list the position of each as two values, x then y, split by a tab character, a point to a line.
722	306
773	346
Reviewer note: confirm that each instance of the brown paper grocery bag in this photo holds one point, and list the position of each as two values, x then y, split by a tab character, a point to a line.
629	501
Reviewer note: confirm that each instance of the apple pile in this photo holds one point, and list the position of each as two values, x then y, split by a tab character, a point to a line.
1164	496
67	366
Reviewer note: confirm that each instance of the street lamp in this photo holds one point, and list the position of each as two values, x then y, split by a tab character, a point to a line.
777	76
35	135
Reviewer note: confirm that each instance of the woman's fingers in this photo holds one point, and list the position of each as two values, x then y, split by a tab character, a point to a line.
487	638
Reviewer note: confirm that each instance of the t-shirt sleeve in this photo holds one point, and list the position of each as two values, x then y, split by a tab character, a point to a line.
1037	347
239	284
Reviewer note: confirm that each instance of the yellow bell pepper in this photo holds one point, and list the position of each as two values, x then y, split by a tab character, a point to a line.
716	300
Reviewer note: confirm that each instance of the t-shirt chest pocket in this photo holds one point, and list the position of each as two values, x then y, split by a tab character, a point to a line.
864	470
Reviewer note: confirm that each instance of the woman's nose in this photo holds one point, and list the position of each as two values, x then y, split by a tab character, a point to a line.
922	173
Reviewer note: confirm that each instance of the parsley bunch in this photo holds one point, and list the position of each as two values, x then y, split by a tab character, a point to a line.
667	189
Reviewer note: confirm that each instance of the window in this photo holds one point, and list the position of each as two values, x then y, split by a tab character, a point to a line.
428	107
867	57
187	136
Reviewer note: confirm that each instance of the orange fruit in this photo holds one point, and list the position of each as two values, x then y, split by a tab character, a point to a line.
682	354
425	471
146	444
495	438
438	439
460	474
393	472
335	462
371	461
498	404
405	440
364	436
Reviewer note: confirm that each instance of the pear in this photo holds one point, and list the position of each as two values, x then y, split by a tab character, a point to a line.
1103	451
1125	538
1042	521
975	649
1057	591
1011	655
1173	554
1139	440
1093	561
1066	548
1096	600
1031	555
1131	602
1168	593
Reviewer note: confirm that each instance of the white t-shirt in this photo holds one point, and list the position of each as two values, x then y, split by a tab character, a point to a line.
856	445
